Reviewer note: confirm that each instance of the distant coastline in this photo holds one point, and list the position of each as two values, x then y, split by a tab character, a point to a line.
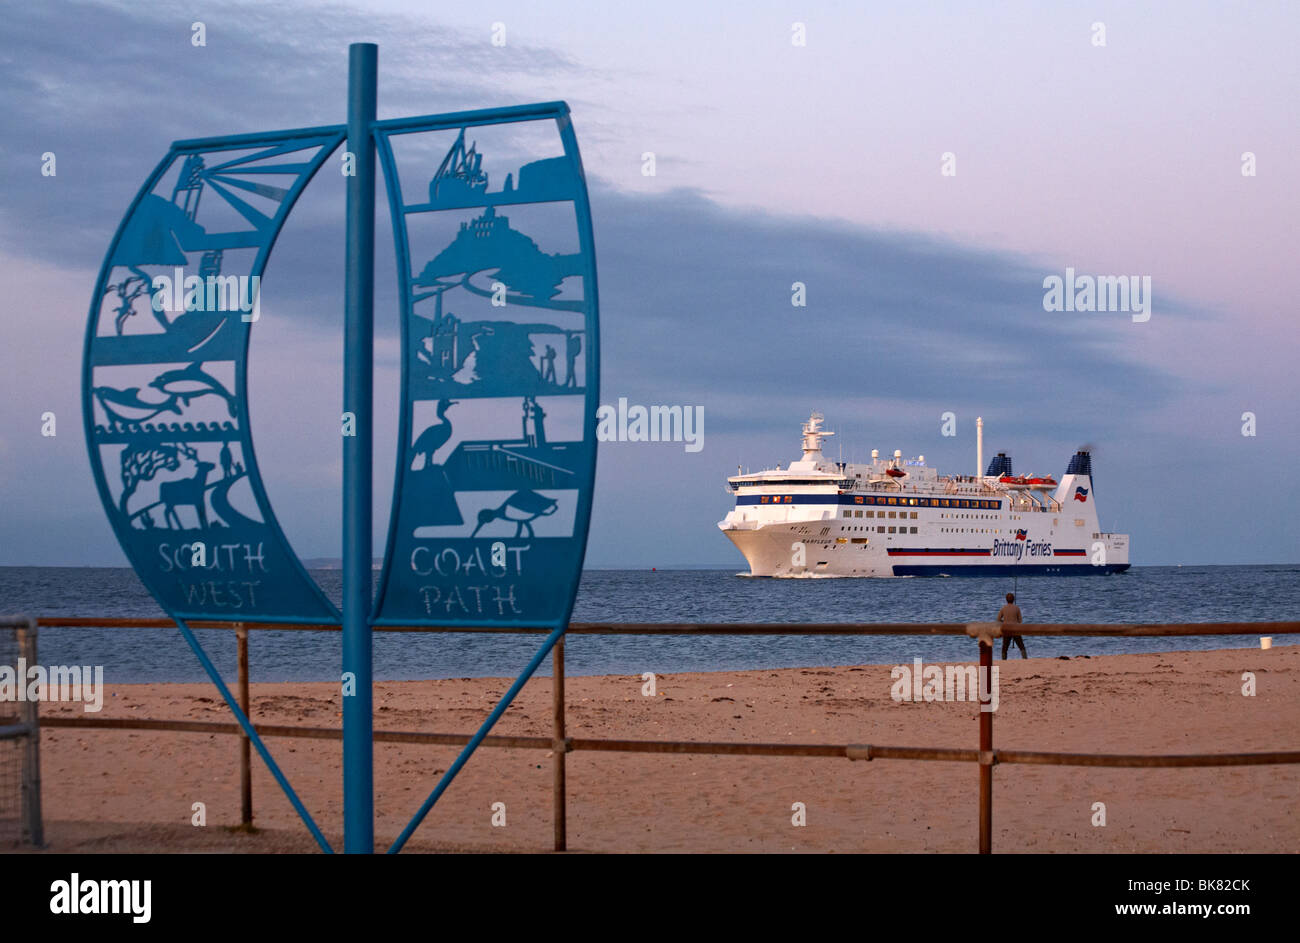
334	563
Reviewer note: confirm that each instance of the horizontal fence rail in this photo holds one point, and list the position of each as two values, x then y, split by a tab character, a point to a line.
571	744
560	745
1119	629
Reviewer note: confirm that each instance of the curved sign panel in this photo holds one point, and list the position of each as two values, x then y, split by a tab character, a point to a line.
497	447
164	386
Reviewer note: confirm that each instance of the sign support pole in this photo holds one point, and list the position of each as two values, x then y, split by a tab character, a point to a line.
358	348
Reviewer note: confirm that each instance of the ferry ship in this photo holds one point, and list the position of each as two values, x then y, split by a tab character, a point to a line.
902	518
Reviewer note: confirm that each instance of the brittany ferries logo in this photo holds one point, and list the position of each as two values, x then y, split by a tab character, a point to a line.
1081	494
1021	547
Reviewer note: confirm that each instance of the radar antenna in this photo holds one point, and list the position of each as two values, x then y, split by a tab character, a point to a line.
812	437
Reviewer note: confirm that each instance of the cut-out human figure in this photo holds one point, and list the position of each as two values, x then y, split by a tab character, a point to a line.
548	365
227	460
573	347
534	434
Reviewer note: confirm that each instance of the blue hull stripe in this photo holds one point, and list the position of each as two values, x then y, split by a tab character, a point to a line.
1008	569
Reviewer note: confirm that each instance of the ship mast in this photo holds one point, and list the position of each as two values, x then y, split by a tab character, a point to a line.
812	438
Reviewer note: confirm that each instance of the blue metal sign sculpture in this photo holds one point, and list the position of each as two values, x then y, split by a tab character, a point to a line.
497	449
165	391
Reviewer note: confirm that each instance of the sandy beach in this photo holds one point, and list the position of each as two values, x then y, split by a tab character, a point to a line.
134	791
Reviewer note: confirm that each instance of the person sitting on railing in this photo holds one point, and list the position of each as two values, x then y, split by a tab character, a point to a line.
1008	614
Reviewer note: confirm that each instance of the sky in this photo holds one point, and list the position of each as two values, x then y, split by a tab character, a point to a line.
775	163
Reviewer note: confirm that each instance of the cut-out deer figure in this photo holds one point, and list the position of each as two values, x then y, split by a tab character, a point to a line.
186	492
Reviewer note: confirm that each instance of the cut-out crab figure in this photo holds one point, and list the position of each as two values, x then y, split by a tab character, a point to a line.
521	508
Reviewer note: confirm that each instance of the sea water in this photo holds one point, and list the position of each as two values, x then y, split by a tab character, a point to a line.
1144	594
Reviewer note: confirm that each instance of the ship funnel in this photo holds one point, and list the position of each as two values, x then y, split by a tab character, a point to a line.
1080	463
999	465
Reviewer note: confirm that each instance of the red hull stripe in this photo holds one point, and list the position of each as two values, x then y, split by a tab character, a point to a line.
948	552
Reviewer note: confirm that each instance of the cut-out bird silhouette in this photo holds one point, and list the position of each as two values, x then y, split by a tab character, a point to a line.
521	509
435	437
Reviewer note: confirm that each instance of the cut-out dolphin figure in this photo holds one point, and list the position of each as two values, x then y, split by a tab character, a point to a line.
126	403
191	382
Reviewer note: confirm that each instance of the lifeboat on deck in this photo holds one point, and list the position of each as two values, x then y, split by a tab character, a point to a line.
895	472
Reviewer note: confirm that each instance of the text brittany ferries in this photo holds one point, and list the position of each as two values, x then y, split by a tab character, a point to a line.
902	518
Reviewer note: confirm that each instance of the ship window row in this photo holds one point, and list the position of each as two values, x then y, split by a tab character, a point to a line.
967	503
899	530
975	503
849	512
793	482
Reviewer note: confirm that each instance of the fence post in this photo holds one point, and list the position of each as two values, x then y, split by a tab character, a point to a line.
30	803
245	765
986	752
561	748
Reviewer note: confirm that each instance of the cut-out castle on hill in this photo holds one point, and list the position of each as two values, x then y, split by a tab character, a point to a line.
496	357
